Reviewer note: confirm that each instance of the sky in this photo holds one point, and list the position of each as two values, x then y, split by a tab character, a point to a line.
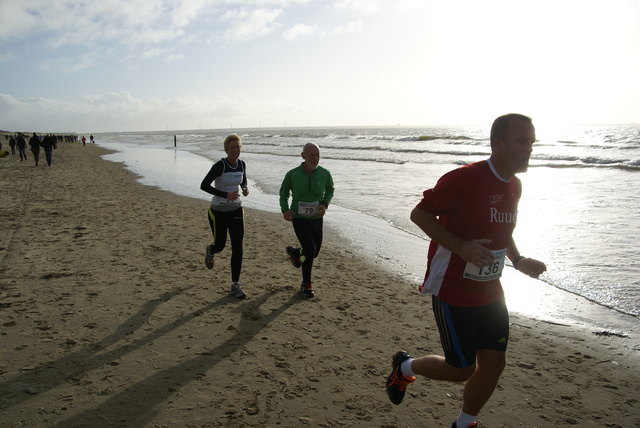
156	65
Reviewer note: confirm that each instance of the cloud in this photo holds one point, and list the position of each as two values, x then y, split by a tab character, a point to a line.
15	20
153	53
414	5
359	5
119	111
188	11
174	57
140	29
15	114
249	24
88	22
353	27
8	56
299	30
63	65
302	30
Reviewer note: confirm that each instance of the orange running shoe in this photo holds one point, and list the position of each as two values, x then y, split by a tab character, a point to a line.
397	382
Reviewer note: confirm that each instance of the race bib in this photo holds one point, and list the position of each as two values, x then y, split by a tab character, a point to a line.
220	201
487	273
308	208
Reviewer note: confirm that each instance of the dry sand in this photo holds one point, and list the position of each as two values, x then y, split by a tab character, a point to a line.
108	317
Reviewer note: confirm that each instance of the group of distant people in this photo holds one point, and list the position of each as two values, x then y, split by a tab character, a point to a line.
84	140
469	215
47	142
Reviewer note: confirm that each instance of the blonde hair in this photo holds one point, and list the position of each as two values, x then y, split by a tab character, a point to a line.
231	138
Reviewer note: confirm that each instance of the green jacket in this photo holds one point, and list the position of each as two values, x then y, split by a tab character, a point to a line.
307	191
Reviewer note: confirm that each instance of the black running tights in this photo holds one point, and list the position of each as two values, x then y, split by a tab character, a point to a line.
233	221
309	233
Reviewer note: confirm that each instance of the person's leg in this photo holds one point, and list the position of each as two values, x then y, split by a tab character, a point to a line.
219	224
483	381
315	229
236	233
316	232
492	339
457	336
482	377
304	232
435	367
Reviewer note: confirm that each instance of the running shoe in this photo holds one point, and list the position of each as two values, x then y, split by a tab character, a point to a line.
473	425
397	382
237	291
307	290
294	256
208	258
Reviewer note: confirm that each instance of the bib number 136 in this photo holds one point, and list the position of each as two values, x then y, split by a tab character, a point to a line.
487	273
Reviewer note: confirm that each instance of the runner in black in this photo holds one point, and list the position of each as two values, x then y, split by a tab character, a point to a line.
229	178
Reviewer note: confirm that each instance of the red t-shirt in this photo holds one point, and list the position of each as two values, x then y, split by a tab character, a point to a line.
472	202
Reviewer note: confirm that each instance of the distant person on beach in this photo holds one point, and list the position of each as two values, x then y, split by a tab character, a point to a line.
34	143
91	138
470	216
229	178
21	144
49	143
84	141
311	189
12	144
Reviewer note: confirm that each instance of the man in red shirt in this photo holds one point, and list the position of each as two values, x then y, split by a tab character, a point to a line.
470	216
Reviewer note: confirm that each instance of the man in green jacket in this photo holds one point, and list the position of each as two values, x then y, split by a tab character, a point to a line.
311	189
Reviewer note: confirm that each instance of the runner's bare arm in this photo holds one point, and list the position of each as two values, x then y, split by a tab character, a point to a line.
532	267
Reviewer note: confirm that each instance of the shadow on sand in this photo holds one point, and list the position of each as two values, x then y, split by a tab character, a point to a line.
135	405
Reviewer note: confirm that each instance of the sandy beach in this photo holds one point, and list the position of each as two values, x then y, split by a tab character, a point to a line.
109	318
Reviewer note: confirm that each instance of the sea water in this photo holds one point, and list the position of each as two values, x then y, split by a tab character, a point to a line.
578	212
